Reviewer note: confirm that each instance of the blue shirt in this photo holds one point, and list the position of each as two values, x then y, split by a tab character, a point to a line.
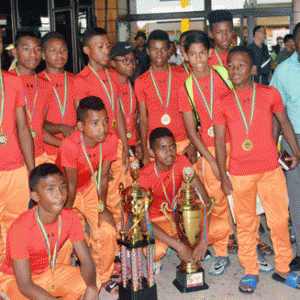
286	79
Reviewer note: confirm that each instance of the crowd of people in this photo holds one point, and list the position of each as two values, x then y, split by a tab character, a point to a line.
72	138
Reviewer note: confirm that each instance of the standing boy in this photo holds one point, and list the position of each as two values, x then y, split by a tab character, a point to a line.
96	80
61	116
164	176
86	157
156	92
34	239
16	146
254	165
37	91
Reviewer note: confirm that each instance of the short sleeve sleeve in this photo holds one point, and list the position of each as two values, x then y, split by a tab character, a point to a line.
17	240
139	91
76	234
278	105
20	95
110	148
183	100
68	154
277	83
218	113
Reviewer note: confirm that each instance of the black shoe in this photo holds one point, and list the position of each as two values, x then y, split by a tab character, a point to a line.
261	228
295	264
207	255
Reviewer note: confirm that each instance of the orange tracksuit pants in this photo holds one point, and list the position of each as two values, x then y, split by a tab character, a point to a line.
271	187
42	159
103	238
69	283
160	247
220	225
14	195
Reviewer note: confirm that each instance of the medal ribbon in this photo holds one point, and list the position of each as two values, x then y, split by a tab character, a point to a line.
97	180
218	58
62	108
186	68
2	98
110	96
165	105
163	186
131	104
30	114
247	127
52	260
209	108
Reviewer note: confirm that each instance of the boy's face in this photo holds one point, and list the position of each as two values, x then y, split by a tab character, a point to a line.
158	52
198	56
125	65
98	49
164	152
95	127
55	54
140	41
51	194
222	33
181	45
29	52
240	69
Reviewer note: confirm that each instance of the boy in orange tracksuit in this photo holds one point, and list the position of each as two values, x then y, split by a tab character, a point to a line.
61	116
26	272
16	151
247	112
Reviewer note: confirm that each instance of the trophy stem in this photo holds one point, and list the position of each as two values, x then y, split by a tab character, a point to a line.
134	270
150	256
140	265
124	265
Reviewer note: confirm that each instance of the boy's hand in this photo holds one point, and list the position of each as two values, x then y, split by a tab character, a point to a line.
191	153
107	217
199	252
226	185
215	169
91	293
125	159
146	157
66	130
294	159
184	252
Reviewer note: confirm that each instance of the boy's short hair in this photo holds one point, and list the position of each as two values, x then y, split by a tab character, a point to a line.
86	104
256	28
158	35
158	133
287	37
50	36
196	37
90	33
25	32
185	34
217	16
40	172
243	49
295	31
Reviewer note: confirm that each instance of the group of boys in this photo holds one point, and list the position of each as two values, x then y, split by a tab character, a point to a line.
93	124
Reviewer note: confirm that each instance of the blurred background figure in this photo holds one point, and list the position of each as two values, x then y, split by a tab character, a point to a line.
174	58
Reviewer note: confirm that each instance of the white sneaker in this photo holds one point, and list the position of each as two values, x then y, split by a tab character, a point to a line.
219	265
264	265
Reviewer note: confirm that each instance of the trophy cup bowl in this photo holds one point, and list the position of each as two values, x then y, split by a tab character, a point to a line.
135	203
189	219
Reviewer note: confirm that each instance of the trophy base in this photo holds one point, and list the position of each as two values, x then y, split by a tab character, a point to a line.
187	283
148	293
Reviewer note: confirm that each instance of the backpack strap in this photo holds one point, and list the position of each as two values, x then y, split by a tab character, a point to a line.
223	73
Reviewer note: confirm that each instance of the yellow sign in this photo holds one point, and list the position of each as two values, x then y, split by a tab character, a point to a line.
185	3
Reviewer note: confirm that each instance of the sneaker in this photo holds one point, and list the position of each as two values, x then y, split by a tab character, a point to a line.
207	255
295	264
219	265
157	265
264	265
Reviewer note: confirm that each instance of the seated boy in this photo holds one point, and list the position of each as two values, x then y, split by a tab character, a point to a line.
45	228
247	113
164	176
86	157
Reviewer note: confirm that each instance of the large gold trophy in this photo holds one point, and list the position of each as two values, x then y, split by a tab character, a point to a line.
135	202
190	219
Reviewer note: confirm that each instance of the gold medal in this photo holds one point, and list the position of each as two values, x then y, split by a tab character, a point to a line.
3	139
165	119
210	132
114	124
247	145
33	133
128	134
101	206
